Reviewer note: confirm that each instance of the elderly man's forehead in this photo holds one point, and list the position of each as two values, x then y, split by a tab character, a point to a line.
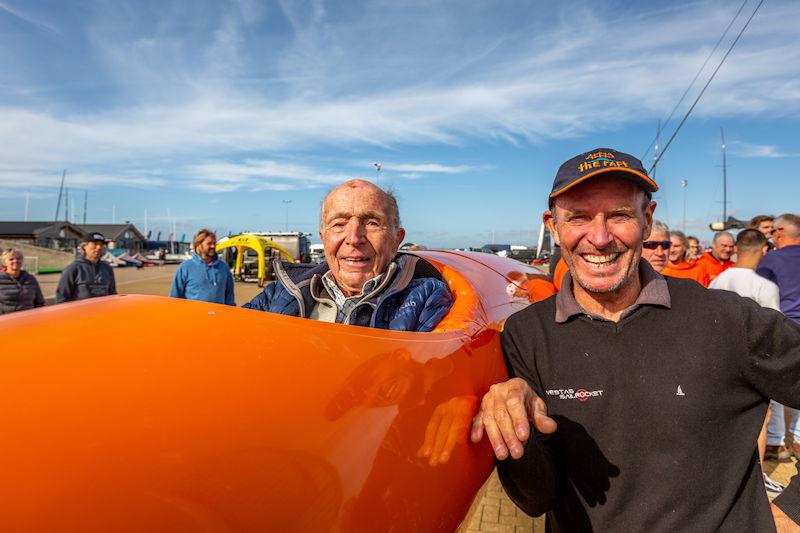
355	196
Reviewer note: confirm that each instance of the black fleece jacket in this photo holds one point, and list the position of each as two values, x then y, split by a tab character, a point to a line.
83	279
657	415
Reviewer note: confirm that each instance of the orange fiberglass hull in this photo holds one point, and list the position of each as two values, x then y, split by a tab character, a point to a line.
143	413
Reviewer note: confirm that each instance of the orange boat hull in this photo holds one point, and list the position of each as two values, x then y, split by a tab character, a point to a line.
237	420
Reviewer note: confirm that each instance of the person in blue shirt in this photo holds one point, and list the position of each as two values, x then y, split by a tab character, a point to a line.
204	277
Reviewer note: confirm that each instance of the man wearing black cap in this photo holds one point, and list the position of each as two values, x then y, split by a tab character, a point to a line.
612	419
87	276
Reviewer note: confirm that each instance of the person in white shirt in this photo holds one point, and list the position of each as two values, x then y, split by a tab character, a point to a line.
751	246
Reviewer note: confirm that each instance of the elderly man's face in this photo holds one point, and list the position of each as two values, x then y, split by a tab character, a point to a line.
600	226
655	250
358	234
723	248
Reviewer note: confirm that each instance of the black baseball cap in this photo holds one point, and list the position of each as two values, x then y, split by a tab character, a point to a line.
601	161
95	237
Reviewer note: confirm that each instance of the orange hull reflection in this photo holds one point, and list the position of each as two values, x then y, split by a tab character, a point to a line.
236	420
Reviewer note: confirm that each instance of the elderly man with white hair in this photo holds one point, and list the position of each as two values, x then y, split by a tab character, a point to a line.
655	250
782	266
363	281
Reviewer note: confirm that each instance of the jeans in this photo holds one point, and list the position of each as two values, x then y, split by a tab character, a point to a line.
776	430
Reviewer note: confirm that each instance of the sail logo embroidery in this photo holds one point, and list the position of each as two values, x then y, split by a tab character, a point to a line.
571	394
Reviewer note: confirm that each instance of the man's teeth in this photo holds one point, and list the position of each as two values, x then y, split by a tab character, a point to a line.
600	259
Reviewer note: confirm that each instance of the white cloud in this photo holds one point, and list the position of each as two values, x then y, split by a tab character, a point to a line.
743	149
22	15
256	175
362	81
427	168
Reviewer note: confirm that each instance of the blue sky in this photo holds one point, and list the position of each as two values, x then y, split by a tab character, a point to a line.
221	111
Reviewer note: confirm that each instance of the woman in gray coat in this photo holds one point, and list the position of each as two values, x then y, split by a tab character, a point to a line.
18	289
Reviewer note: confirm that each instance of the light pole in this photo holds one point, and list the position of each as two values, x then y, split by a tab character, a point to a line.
684	185
286	203
377	173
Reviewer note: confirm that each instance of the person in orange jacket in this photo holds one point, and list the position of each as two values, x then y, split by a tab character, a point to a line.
719	258
558	275
678	266
534	287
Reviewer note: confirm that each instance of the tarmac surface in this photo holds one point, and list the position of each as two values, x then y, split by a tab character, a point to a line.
154	280
491	511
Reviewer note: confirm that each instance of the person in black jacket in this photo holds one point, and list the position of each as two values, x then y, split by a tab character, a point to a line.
87	276
18	289
612	420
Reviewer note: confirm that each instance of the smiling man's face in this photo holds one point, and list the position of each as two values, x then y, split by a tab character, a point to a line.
359	234
600	226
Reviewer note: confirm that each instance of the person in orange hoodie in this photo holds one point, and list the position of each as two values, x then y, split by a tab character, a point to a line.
678	266
719	258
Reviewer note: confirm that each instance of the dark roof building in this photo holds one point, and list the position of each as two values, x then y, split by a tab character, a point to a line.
57	235
122	236
66	235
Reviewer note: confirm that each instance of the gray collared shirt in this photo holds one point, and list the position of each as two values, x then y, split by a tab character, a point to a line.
654	292
331	303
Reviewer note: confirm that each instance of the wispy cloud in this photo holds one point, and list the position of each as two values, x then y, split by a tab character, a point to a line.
21	179
32	20
256	175
356	77
426	168
743	149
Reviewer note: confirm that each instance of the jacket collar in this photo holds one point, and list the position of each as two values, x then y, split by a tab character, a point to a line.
654	292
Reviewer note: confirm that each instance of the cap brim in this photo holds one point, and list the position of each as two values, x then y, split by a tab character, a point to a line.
643	178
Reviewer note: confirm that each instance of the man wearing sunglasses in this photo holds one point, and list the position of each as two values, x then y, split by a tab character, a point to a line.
614	419
655	250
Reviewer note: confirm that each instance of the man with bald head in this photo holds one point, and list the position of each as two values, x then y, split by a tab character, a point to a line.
718	259
363	280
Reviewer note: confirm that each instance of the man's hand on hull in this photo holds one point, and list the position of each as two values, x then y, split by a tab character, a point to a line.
505	415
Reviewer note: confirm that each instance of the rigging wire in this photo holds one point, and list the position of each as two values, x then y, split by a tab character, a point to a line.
713	74
689	88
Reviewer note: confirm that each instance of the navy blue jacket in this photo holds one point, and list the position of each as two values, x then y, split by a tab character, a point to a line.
83	279
18	294
409	303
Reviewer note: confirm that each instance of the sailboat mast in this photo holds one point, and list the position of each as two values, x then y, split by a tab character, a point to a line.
60	192
724	178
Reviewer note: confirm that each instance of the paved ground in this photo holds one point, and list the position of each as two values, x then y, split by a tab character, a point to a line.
492	511
155	280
